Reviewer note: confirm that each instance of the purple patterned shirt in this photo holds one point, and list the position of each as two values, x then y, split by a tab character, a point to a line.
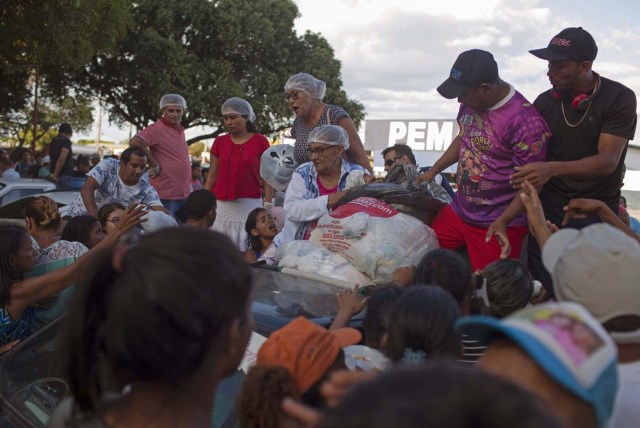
492	143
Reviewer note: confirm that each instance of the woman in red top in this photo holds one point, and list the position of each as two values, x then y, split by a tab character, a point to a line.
234	173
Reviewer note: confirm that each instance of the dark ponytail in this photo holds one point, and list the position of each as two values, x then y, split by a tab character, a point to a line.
159	318
11	237
251	127
83	340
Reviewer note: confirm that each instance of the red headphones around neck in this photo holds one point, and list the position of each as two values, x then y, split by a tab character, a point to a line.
581	101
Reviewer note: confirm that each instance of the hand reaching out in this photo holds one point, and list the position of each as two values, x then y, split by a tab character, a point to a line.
535	213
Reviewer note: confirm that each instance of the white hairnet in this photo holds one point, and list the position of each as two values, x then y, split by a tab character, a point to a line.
332	135
157	220
173	100
239	106
308	84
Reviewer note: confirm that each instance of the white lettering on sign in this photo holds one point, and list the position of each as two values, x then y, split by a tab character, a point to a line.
421	135
397	131
415	135
439	139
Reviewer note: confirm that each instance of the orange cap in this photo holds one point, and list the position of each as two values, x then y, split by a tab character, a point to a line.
306	349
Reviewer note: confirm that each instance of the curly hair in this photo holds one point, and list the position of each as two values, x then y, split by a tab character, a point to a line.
43	211
259	402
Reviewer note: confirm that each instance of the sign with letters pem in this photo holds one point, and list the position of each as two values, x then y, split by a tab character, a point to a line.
428	138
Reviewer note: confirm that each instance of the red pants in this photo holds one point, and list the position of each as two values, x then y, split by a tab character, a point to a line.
454	233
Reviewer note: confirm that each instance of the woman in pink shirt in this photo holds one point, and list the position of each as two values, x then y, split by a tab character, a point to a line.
234	171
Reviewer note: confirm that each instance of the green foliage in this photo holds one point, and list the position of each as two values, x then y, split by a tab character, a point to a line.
196	149
209	51
16	126
54	37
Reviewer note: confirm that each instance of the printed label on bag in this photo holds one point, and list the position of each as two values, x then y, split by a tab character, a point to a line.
372	206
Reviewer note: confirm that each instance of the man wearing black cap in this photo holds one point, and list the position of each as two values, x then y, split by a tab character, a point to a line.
499	130
592	118
62	156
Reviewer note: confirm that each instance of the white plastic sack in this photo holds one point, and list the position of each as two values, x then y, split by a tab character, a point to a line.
354	179
375	237
157	220
277	165
307	257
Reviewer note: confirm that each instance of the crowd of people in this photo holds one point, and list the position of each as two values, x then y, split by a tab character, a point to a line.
535	324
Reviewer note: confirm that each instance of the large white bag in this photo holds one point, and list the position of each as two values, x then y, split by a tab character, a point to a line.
307	257
375	237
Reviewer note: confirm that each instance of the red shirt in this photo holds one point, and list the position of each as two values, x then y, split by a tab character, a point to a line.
238	167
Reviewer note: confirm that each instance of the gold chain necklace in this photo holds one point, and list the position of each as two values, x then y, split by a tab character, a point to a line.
595	89
574	125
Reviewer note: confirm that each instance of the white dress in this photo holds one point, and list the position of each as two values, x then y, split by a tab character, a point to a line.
231	217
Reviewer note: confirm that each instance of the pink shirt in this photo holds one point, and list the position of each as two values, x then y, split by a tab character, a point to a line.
169	146
314	223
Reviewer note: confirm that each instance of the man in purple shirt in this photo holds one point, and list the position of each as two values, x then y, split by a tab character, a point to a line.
499	130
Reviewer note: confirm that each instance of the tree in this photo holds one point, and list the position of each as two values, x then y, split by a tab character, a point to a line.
16	125
44	41
208	51
54	37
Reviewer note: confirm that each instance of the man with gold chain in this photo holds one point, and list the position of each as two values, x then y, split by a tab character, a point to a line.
592	119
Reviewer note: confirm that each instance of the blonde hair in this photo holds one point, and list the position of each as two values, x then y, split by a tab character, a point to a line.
43	212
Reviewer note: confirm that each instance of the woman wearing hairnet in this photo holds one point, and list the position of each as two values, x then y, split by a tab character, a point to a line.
316	186
304	93
234	173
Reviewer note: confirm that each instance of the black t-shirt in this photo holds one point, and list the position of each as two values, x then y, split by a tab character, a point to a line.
612	111
57	144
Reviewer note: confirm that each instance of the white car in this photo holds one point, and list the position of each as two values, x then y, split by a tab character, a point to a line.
13	212
12	190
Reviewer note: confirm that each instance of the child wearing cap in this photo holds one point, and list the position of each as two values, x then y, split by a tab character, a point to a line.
308	353
557	351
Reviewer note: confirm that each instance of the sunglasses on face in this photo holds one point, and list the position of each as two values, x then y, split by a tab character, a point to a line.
391	161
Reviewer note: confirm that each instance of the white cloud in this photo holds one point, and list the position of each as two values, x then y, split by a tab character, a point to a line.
394	54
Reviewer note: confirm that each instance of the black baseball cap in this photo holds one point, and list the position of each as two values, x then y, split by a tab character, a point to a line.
574	43
471	69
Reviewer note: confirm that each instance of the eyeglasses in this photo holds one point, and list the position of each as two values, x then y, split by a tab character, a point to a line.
391	161
292	95
114	220
319	152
